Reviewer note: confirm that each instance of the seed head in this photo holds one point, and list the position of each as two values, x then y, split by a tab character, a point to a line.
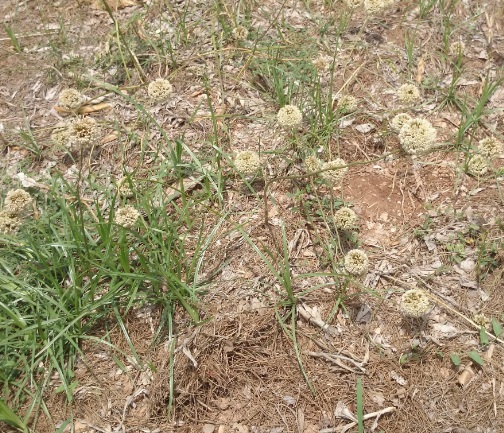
356	262
477	165
353	4
399	120
82	133
457	48
408	93
347	104
240	33
312	164
415	303
417	135
345	218
158	90
490	147
9	222
337	173
482	320
126	216
289	115
373	7
124	187
322	62
17	200
60	136
71	99
247	162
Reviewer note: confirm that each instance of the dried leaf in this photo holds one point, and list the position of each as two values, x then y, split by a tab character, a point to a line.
94	107
420	70
466	376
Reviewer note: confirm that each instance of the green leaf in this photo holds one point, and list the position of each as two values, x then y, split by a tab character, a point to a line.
63	426
455	358
483	336
10	418
496	326
476	357
360	406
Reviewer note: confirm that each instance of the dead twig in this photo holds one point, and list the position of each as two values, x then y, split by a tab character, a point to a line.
336	359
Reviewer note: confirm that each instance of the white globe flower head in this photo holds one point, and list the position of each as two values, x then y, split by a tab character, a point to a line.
373	7
399	120
312	164
60	136
124	186
457	48
477	165
240	33
490	147
247	162
17	200
289	116
322	62
345	218
71	99
482	320
415	303
417	135
338	170
83	132
126	216
356	262
408	93
9	222
159	90
347	104
354	4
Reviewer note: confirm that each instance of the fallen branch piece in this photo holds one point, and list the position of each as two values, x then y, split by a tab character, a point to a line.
304	311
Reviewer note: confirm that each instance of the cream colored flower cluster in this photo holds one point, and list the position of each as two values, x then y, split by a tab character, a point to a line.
415	303
15	205
83	132
126	216
489	147
354	4
289	116
374	7
347	104
356	262
417	135
159	90
71	99
408	94
335	170
124	187
480	161
312	164
322	62
477	165
399	120
240	33
457	48
345	218
247	162
482	320
60	136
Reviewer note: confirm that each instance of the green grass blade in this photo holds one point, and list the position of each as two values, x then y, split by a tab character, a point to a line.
360	405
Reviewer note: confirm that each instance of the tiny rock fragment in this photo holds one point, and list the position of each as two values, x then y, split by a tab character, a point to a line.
365	128
208	428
